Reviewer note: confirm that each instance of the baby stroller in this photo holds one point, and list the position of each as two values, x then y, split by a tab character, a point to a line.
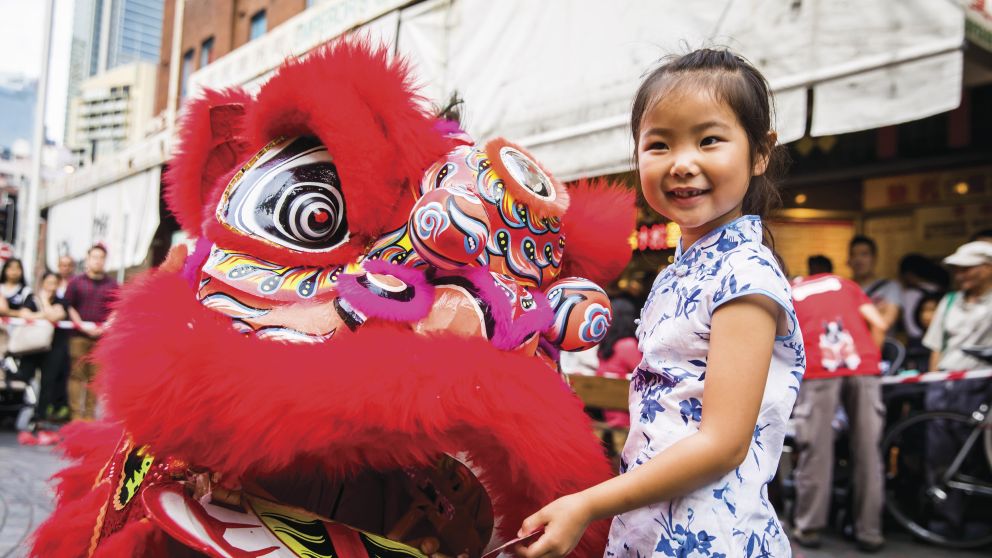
20	341
18	395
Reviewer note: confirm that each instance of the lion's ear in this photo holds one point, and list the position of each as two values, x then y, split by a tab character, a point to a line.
212	145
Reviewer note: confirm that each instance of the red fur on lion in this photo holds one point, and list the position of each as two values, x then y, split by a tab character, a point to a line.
190	386
597	229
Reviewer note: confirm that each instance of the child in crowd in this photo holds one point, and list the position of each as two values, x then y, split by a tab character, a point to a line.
722	355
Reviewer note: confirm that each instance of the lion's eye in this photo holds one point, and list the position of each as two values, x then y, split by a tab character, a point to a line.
288	195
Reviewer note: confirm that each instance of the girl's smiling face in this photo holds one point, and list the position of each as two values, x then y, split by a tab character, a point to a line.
694	161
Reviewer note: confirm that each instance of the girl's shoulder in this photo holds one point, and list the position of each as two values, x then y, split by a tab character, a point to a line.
756	261
752	269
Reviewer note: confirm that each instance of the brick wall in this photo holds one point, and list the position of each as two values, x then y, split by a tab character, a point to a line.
227	21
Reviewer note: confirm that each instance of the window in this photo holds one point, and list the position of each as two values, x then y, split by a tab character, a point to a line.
207	52
185	70
258	25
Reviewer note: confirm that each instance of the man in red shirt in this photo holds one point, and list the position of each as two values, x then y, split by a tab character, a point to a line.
843	331
88	295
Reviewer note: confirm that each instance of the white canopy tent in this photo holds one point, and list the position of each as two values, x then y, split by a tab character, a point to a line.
558	76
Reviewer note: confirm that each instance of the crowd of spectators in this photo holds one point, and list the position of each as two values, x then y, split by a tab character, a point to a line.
65	314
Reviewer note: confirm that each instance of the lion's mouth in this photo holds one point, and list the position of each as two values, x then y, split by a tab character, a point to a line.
438	508
443	501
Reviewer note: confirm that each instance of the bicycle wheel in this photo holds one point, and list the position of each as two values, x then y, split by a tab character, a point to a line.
917	452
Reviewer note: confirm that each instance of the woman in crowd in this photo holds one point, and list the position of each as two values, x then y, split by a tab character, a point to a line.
46	305
13	288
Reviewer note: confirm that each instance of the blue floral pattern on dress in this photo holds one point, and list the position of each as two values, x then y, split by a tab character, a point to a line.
732	516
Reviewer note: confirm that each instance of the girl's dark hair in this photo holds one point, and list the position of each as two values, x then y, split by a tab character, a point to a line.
926	269
622	326
6	265
918	311
742	87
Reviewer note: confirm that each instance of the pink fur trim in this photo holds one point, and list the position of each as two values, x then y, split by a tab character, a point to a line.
374	306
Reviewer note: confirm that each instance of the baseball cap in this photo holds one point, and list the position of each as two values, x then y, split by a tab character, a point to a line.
971	254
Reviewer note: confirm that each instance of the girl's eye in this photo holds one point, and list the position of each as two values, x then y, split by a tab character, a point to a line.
657	146
709	140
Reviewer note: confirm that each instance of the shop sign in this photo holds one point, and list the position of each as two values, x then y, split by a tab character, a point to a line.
661	236
928	188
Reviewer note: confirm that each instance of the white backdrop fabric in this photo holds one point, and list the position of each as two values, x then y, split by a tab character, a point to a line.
123	216
558	76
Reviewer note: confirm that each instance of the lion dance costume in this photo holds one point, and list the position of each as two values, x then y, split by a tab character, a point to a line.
357	357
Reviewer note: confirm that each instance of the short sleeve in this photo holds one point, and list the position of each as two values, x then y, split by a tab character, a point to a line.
753	272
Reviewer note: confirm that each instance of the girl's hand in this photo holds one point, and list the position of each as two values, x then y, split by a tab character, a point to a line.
564	521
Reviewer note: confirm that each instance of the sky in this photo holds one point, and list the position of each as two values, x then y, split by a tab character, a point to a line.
21	30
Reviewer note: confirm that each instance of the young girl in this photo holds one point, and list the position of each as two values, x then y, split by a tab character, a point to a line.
723	356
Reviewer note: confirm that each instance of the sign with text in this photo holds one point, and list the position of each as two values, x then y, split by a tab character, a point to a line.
950	186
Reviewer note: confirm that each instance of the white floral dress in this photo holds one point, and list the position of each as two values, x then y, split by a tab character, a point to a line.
732	516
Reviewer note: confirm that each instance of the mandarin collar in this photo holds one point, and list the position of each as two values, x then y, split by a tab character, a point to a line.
744	229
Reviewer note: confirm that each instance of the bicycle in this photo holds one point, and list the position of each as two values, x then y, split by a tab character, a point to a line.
941	498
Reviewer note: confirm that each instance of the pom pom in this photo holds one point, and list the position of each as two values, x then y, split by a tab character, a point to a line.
582	314
449	227
526	180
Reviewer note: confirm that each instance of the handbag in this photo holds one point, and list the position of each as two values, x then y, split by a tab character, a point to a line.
29	338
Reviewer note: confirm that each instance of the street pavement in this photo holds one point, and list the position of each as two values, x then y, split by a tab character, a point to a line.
26	500
25	494
898	545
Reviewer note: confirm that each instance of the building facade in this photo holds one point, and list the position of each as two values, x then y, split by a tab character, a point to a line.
112	109
111	33
135	32
17	101
212	29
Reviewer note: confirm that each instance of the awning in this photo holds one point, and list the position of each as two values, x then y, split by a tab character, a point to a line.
123	216
558	76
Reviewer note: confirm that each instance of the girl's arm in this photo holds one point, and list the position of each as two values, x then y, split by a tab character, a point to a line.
875	321
742	337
